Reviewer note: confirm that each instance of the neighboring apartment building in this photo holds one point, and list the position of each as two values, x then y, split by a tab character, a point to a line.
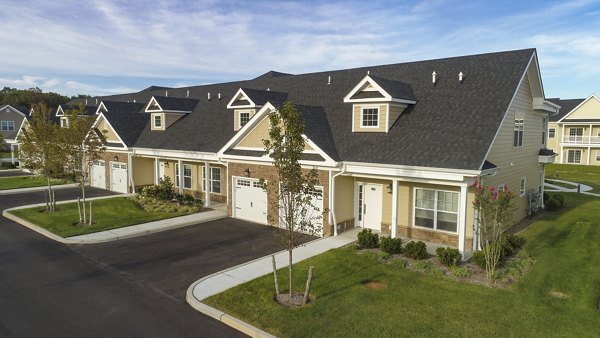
397	147
574	133
11	119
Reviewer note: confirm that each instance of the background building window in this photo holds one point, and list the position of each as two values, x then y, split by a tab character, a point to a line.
575	134
551	133
436	209
574	156
7	125
370	117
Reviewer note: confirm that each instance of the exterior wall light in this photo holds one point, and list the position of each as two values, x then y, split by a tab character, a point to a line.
247	172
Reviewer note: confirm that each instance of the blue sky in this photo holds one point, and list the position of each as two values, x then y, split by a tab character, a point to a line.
106	46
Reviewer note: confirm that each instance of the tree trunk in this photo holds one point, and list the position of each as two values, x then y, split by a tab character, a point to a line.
50	194
83	188
290	247
47	197
308	284
53	200
91	214
275	276
79	210
84	214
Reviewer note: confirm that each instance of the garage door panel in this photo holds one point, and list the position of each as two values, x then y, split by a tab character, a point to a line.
250	200
118	177
98	174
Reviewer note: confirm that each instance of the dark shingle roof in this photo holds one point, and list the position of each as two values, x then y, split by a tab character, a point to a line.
127	125
89	109
176	103
424	135
546	152
566	106
123	107
260	97
397	89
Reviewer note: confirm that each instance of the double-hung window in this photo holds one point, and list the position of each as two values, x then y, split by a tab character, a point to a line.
518	135
157	121
574	156
551	133
214	180
576	135
436	209
7	125
187	176
370	117
244	118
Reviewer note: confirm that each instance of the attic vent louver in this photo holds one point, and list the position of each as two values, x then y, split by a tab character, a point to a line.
433	77
460	77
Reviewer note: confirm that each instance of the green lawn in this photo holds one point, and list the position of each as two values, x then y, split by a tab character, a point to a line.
108	214
586	174
25	182
4	154
561	184
565	244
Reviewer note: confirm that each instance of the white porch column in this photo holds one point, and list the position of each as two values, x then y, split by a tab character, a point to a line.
394	207
207	184
589	157
462	219
12	153
180	165
156	170
130	171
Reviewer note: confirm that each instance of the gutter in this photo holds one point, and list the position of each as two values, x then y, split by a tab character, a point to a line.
332	197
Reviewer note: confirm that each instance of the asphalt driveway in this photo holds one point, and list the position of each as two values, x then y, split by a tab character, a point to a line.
169	262
12	173
49	289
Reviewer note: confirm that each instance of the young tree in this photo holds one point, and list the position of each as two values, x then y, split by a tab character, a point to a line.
293	189
494	216
81	146
40	148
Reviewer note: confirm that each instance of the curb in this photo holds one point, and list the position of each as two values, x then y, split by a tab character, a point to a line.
33	189
110	235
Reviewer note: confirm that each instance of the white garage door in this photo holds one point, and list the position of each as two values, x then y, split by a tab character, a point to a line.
314	213
118	177
98	173
250	200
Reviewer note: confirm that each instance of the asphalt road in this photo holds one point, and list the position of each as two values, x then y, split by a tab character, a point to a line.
49	289
7	173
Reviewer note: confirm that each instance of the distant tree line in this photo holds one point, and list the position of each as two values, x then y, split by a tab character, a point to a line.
31	96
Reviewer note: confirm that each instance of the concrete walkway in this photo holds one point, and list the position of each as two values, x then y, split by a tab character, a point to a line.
584	189
226	279
124	232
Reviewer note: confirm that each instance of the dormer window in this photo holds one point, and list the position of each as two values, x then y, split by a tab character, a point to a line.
64	122
370	117
158	121
244	117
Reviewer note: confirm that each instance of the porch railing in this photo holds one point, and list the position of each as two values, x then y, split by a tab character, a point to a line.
581	139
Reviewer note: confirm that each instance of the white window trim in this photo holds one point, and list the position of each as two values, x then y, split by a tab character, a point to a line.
435	211
154	116
552	131
211	180
544	129
522	186
240	126
371	106
7	123
522	125
190	176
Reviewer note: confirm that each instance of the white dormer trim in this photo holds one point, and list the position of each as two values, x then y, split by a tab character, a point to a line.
151	103
95	125
60	111
247	128
365	82
578	106
12	108
100	107
241	95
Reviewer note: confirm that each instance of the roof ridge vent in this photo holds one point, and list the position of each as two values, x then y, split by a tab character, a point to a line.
219	96
187	94
460	77
368	72
86	102
329	80
433	79
166	93
208	96
133	100
268	89
96	100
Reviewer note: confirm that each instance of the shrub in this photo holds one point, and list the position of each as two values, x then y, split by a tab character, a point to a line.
163	190
560	198
546	197
7	165
510	243
478	258
416	250
448	256
390	245
553	204
398	263
367	239
461	272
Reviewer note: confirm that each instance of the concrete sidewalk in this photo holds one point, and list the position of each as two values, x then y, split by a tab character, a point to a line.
584	189
42	188
226	279
124	232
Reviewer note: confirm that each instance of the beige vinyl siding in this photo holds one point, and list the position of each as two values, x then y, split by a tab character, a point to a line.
383	115
515	163
395	112
255	138
589	110
554	143
236	117
152	127
143	171
344	198
107	131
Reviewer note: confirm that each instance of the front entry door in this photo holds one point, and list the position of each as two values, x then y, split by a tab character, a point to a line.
371	209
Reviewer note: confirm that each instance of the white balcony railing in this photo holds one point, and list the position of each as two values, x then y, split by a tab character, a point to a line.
581	139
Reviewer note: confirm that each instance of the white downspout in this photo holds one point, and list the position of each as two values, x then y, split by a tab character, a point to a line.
130	168
332	198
